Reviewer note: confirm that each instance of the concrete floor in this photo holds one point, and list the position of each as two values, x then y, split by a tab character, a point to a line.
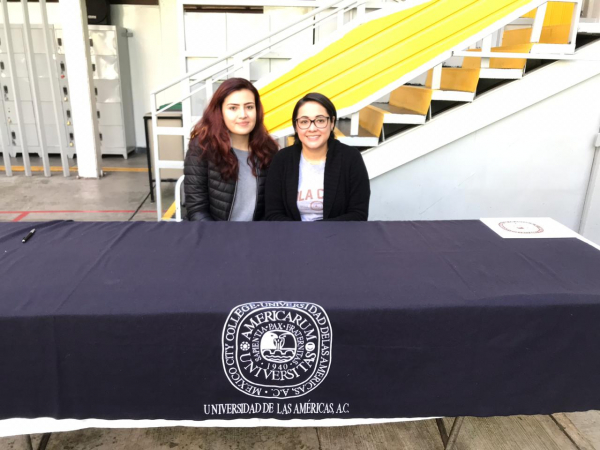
122	196
118	196
577	431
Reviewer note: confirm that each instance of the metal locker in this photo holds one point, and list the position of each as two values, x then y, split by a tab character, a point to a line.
17	39
31	137
44	89
67	114
41	68
20	65
26	111
58	39
103	42
108	49
13	136
24	91
61	65
4	69
48	113
112	136
4	133
9	112
64	90
37	38
5	90
107	91
105	67
70	137
52	138
109	113
30	133
95	70
44	78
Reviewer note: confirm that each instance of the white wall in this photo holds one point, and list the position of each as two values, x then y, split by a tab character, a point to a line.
534	163
145	52
153	53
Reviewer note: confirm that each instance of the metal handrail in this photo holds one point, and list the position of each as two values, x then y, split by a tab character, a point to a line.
264	38
350	4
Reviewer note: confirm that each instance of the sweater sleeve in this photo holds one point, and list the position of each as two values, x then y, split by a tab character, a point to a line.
275	209
195	184
360	191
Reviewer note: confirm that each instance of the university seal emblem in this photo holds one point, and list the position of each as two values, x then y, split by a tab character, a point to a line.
520	227
277	349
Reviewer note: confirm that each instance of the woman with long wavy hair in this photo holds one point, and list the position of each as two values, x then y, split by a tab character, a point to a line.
229	154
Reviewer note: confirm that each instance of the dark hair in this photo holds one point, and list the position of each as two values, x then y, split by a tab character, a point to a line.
213	137
321	100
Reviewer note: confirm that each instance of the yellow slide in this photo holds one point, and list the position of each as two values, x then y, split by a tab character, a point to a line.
379	52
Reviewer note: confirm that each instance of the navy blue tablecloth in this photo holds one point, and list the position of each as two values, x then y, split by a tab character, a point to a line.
294	320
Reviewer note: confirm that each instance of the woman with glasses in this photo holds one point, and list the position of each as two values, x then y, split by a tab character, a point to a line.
230	151
317	178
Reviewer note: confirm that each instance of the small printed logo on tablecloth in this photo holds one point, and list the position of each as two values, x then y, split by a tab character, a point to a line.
277	350
521	227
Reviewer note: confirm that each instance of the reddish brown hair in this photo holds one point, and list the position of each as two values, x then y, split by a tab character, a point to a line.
213	136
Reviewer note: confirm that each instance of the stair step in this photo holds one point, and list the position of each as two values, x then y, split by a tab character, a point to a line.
395	114
517	36
501	74
453	96
371	119
414	98
500	64
363	139
456	79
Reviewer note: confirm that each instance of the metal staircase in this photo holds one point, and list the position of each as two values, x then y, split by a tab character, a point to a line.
367	64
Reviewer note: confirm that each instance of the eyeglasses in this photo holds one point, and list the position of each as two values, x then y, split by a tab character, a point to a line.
304	123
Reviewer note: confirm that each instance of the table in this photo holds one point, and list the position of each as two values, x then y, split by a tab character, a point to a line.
351	321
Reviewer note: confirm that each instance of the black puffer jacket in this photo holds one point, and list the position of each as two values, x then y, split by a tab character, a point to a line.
207	195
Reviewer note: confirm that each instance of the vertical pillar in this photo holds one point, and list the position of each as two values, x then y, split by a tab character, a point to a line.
57	107
35	90
77	54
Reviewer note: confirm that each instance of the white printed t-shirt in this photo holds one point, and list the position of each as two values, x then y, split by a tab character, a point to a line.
310	190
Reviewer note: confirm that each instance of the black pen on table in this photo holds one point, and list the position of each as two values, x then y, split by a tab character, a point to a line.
26	238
